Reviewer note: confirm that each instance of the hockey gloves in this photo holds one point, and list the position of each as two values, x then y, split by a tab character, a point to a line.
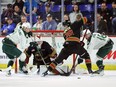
30	34
33	44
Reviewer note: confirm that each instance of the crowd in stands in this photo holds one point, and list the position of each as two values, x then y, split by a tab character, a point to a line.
46	15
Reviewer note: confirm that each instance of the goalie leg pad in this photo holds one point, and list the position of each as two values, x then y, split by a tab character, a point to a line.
62	69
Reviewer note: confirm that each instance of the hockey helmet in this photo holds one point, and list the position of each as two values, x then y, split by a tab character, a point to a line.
26	25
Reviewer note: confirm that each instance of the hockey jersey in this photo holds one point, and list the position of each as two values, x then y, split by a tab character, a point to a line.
97	41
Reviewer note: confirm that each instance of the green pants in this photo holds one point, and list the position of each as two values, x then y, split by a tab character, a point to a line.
103	51
10	49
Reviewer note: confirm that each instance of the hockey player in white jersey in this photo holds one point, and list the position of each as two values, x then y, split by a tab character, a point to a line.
100	42
19	37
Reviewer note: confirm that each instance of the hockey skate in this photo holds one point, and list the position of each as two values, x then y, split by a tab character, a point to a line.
8	71
100	71
90	71
45	73
24	70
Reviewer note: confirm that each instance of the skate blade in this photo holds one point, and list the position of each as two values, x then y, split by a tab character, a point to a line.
92	75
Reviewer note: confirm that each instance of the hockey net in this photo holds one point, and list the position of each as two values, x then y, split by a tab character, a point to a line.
55	39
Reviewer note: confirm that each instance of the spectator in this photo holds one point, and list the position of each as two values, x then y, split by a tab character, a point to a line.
105	13
9	27
49	2
23	20
17	13
57	15
38	24
101	25
19	3
113	10
8	12
113	15
47	11
26	10
73	14
66	22
114	26
49	24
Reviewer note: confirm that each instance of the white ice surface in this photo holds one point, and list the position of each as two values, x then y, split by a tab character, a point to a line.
34	80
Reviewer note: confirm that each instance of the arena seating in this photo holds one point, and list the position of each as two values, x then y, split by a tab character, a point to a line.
56	8
86	9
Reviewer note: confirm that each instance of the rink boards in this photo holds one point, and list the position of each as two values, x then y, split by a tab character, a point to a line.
109	60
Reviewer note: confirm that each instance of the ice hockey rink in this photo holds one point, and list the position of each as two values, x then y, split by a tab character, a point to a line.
81	80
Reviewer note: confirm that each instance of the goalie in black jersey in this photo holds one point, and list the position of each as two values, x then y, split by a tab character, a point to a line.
45	51
72	45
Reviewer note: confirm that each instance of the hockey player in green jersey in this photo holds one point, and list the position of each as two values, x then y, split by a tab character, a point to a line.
20	37
100	42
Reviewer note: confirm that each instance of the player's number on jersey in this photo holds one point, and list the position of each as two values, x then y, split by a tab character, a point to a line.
101	36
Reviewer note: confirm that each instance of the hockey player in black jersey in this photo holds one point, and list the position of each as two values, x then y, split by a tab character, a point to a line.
40	49
72	45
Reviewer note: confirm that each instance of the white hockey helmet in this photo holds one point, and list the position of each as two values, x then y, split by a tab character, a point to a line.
26	25
88	32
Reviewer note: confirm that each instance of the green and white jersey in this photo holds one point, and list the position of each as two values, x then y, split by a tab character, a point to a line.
97	41
19	38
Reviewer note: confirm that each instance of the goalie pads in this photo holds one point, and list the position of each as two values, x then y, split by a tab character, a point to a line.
62	69
57	71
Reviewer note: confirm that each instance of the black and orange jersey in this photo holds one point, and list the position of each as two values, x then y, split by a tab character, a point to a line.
72	33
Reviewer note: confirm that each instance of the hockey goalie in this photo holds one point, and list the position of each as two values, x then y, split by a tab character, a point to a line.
43	54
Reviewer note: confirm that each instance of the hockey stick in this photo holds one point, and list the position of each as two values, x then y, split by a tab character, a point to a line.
73	66
41	57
